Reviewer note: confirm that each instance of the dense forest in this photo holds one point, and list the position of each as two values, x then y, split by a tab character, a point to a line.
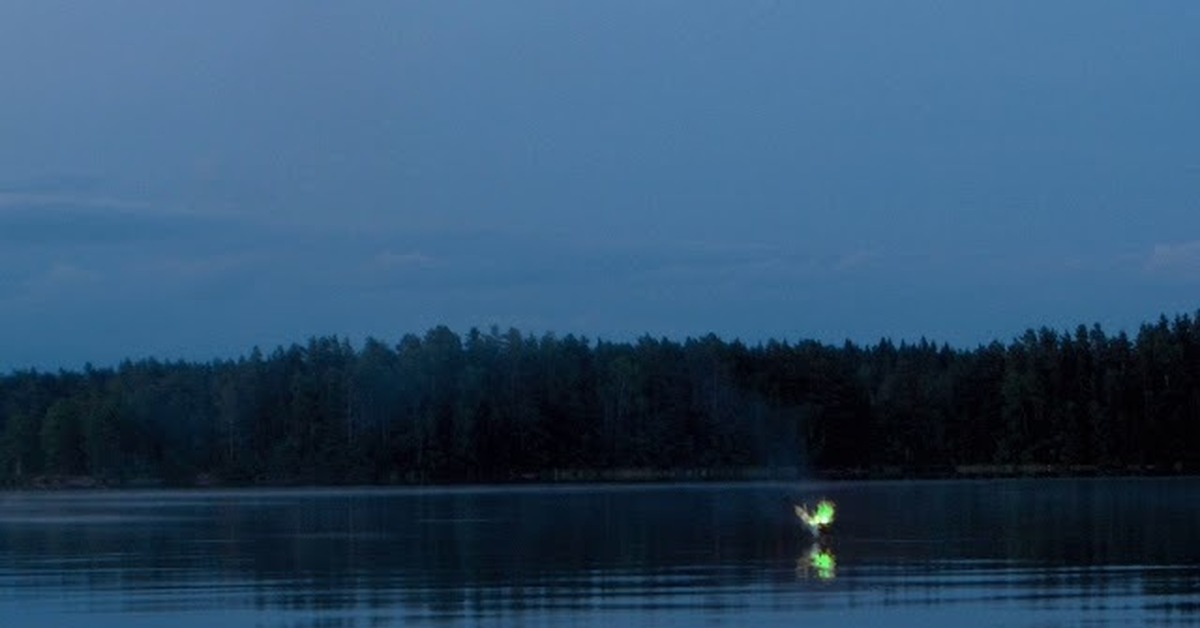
493	406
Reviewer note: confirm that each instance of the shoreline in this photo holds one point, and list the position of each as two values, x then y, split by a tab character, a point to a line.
633	476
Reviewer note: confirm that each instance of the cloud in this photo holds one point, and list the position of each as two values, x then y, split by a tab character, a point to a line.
1182	257
66	274
411	259
854	260
752	261
201	267
49	221
60	279
30	200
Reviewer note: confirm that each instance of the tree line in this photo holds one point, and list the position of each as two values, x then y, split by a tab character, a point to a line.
502	406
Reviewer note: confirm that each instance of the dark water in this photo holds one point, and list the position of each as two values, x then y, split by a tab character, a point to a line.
995	553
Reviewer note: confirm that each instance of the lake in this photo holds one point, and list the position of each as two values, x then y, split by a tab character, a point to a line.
1077	552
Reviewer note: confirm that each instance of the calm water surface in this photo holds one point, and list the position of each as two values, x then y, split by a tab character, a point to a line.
991	553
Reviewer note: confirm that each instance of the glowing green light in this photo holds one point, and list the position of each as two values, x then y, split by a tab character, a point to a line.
818	562
824	513
821	518
822	563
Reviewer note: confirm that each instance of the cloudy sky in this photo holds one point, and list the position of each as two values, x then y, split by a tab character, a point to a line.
191	179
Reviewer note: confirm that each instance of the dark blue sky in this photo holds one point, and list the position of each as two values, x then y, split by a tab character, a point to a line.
190	179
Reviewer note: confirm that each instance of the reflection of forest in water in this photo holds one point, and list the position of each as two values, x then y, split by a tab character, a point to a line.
451	552
1119	522
438	549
